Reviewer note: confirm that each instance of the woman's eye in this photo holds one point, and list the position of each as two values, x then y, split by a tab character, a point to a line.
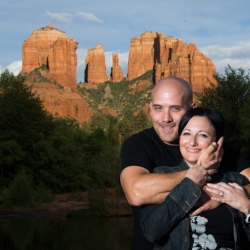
203	135
186	133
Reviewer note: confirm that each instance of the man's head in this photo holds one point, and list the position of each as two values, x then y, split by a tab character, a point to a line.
171	98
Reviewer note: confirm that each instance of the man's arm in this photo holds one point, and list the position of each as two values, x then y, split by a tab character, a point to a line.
142	187
246	173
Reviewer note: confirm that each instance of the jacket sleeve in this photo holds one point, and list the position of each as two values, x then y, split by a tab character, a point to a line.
158	219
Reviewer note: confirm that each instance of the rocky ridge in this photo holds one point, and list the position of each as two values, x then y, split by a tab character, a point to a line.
53	54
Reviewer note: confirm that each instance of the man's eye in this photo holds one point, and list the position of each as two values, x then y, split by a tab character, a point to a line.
176	108
157	107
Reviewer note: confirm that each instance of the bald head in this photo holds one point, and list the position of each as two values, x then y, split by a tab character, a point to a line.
171	98
174	83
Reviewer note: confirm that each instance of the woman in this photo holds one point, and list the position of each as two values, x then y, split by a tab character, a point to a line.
169	223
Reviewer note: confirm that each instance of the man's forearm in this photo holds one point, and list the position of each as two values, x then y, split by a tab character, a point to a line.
247	189
149	188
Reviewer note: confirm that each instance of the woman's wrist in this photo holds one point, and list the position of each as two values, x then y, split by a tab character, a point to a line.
246	209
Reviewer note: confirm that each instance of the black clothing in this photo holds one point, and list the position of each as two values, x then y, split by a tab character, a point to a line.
147	150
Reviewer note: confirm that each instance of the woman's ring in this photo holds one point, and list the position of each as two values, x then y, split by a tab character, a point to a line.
222	194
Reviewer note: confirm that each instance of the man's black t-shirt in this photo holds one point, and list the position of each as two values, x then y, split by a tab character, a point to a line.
147	150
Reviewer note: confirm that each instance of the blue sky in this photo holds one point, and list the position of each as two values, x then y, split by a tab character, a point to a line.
220	29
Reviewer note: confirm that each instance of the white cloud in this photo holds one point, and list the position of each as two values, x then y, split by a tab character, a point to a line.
123	61
234	63
237	56
240	50
59	17
89	17
14	67
81	55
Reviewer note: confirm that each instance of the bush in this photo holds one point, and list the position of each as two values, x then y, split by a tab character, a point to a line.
97	202
21	193
42	195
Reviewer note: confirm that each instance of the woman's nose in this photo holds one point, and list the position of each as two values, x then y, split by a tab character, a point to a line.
193	141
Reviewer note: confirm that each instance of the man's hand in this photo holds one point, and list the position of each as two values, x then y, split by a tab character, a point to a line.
213	152
201	174
204	203
209	205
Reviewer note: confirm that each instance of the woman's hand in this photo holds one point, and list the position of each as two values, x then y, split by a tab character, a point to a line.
231	194
201	174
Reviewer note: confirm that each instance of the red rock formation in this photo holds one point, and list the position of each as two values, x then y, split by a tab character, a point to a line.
141	85
63	102
116	71
169	56
53	48
141	54
187	62
95	70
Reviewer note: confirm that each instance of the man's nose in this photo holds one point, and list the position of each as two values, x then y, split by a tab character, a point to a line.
167	116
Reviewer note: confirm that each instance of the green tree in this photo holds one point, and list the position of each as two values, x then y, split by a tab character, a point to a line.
21	192
23	123
131	124
230	96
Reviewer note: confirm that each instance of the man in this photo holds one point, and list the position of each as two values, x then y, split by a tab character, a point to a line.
158	146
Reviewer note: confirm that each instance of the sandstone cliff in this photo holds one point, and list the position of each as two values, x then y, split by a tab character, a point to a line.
49	56
53	48
95	71
169	56
116	71
63	102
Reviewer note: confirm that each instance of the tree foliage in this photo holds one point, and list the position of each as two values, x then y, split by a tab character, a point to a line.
57	154
232	97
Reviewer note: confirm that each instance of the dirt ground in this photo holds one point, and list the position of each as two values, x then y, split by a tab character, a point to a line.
68	203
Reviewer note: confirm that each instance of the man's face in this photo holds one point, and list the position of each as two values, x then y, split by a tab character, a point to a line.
167	107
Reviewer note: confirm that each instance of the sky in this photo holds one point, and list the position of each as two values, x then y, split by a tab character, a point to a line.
220	29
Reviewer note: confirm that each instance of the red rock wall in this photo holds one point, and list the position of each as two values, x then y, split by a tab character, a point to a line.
141	54
63	102
169	56
95	71
53	48
117	74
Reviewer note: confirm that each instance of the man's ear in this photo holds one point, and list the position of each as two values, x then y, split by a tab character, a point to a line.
150	107
194	105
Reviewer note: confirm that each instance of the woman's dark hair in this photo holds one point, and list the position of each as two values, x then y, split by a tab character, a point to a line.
212	114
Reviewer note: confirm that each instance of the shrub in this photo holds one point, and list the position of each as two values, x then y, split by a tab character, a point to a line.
21	193
97	202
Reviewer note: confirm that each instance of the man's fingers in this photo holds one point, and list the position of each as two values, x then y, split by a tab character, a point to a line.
219	199
209	164
208	154
220	149
209	205
199	210
220	142
211	171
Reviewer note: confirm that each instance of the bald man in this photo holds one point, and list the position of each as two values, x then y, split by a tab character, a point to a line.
158	146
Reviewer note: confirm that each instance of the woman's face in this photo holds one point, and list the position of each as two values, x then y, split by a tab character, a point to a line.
198	134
